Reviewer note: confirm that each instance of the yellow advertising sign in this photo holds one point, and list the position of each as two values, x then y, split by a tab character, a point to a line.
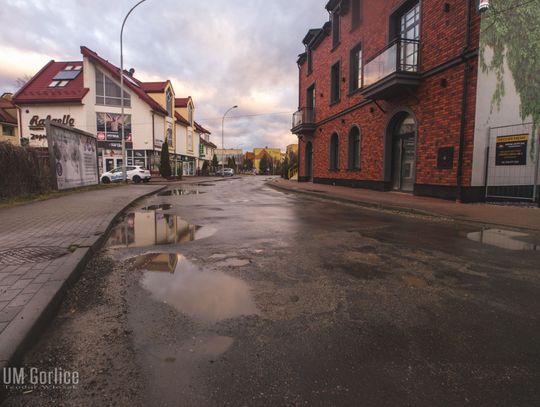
513	139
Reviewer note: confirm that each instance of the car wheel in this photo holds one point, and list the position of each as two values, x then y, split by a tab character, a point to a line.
106	180
137	179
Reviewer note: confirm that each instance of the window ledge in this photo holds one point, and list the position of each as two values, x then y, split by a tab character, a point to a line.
334	169
335	46
335	102
354	170
354	92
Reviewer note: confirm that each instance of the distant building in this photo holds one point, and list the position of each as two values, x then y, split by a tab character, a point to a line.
274	153
235	153
8	120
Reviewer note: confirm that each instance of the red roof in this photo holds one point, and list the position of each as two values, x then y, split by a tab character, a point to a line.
181	119
37	89
151	87
6	117
181	102
115	72
201	129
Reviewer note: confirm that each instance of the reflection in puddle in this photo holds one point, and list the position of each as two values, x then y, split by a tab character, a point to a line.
207	296
140	229
505	239
180	192
162	207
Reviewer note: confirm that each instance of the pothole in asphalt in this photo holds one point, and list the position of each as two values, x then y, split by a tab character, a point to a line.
233	262
181	192
162	207
205	296
37	254
505	239
141	229
206	185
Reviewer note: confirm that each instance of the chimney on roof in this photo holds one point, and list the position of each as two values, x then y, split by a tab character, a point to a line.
131	72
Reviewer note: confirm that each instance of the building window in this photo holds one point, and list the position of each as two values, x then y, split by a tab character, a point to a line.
190	140
334	152
108	93
309	61
334	83
355	67
170	103
310	104
7	131
190	114
335	28
356	13
354	148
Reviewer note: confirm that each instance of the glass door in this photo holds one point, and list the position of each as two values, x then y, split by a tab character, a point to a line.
410	30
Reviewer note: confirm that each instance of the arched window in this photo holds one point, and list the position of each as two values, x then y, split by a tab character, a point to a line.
334	152
354	148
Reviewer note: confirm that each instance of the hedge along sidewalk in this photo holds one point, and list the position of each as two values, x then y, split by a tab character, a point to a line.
483	214
30	290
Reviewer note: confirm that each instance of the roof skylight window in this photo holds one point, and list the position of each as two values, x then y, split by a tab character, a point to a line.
66	75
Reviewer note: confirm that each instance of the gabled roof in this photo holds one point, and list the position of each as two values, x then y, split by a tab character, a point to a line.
37	89
181	102
208	143
115	73
154	87
180	119
201	129
5	116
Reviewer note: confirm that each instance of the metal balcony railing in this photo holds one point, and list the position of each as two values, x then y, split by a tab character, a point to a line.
401	55
305	115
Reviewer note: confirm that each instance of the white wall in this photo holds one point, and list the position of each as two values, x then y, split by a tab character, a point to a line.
488	118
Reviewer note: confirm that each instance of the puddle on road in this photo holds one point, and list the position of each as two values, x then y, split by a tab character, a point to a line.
161	207
141	229
181	192
206	296
505	239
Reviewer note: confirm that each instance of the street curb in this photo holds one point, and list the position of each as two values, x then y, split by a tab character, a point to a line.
25	330
398	209
328	197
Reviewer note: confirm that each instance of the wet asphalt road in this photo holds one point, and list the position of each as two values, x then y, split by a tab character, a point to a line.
256	297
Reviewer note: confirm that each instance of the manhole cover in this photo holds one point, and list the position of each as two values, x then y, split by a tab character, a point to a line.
31	254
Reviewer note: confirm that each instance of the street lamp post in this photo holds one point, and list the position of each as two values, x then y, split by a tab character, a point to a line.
222	139
124	158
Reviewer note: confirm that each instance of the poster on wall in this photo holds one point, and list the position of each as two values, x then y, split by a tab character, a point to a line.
511	150
73	157
109	127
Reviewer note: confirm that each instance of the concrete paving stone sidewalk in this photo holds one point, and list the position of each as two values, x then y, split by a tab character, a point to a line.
497	215
43	245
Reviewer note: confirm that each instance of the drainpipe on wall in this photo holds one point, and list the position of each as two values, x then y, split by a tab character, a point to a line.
153	140
464	103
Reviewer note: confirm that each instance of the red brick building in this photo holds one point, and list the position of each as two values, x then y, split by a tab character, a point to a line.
387	97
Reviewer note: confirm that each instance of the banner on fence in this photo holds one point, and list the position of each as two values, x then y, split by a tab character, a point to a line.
73	156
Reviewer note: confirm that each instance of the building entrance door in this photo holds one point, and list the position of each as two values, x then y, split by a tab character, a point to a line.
404	155
309	162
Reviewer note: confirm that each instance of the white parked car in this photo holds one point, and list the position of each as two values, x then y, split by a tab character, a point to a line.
225	172
134	173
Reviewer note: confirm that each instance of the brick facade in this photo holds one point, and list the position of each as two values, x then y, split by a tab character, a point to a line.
436	104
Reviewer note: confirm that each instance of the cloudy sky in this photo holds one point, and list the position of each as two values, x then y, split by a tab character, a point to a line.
221	52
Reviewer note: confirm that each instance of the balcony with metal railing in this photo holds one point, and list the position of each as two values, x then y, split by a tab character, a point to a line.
392	71
304	121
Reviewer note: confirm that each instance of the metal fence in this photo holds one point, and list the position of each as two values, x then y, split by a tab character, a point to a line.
512	167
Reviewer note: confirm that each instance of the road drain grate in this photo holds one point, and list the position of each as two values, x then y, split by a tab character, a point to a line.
31	254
